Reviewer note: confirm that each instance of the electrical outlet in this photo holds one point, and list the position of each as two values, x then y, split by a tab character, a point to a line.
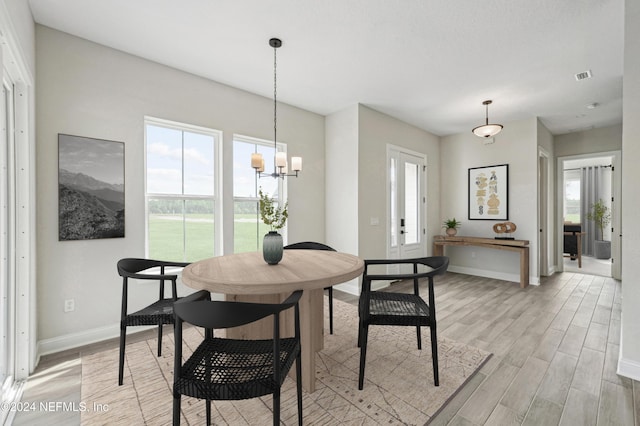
473	254
69	305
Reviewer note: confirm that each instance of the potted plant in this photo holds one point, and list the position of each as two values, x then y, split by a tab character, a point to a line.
451	226
275	217
601	215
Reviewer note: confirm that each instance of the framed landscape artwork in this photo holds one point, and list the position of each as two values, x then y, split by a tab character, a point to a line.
489	193
90	188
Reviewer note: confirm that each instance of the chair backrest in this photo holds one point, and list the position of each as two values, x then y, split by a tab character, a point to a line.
438	265
309	245
131	268
573	228
196	309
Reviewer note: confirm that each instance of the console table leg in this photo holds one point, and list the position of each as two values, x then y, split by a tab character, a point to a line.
524	267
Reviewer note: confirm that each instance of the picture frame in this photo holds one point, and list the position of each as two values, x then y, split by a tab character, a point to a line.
489	192
90	188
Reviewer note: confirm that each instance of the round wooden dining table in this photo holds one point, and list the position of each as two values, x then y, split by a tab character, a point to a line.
247	277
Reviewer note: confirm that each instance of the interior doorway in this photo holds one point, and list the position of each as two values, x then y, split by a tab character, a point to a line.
585	244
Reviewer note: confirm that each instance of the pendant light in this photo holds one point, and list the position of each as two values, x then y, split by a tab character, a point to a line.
487	130
280	165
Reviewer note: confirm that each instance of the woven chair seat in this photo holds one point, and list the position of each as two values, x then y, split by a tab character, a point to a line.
397	309
160	312
229	369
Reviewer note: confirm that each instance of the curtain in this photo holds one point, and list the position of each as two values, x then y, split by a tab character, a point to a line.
591	188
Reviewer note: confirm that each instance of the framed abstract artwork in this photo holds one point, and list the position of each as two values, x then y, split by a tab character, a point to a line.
489	192
90	188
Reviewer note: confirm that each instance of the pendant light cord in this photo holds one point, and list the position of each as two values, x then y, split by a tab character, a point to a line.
275	108
486	114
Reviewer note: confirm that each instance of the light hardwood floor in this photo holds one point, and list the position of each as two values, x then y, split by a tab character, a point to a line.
555	350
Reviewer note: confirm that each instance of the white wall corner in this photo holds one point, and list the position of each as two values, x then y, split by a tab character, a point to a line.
627	367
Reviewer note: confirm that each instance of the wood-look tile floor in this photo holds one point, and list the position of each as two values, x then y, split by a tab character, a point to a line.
555	352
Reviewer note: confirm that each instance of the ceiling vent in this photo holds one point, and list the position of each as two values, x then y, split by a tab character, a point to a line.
583	75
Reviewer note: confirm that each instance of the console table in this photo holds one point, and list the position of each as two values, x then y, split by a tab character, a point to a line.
521	246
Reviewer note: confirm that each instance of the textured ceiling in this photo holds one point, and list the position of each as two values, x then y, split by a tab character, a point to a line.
430	63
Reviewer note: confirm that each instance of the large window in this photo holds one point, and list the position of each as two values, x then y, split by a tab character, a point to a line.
248	229
181	191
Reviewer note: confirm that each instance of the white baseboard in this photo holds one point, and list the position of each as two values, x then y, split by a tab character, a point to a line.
82	338
627	367
351	287
491	274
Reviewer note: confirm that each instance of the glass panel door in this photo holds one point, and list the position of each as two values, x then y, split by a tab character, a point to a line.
406	204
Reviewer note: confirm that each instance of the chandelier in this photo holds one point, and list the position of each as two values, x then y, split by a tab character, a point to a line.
487	130
280	165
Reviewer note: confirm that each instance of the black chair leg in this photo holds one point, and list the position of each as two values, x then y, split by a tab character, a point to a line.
160	339
330	310
419	337
176	410
434	356
276	407
363	355
123	334
208	403
299	387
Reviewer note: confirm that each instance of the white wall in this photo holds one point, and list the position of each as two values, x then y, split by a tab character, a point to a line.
589	141
377	130
629	363
90	90
341	129
516	145
357	139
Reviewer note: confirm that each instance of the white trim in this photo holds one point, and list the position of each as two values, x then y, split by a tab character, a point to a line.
627	367
218	243
353	286
544	217
616	220
17	65
14	68
395	151
86	337
533	280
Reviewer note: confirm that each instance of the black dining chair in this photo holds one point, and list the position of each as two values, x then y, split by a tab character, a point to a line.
400	309
232	369
312	245
157	313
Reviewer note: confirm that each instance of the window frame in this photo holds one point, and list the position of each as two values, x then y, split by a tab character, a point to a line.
282	186
217	136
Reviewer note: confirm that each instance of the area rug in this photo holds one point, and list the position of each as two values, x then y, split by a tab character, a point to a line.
398	384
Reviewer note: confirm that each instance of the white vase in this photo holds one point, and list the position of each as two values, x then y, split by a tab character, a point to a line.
451	232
